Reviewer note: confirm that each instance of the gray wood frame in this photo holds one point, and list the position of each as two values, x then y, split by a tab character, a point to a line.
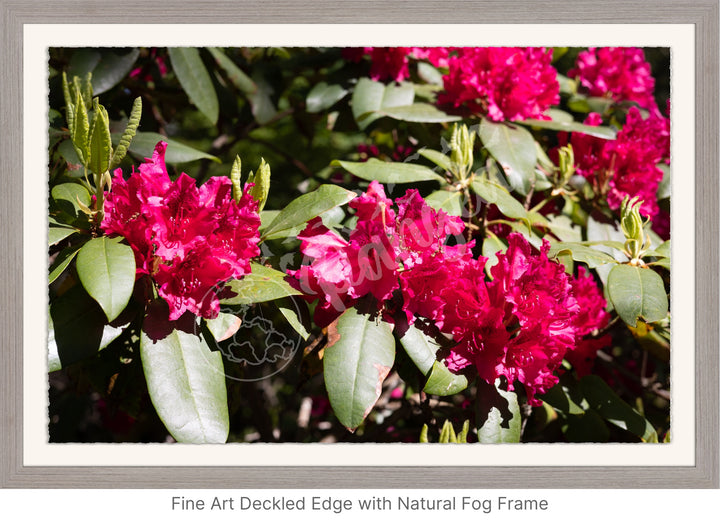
702	13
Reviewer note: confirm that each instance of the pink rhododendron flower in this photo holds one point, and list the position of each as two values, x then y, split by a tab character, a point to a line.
628	165
187	239
392	63
620	73
503	83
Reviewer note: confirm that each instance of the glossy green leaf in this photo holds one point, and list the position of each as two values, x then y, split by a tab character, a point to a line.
442	382
77	329
106	269
70	197
307	207
438	158
499	196
579	252
514	148
418	112
112	67
499	419
637	292
55	235
356	365
608	404
62	261
389	172
195	80
490	248
261	285
323	96
236	75
451	202
292	317
186	383
370	97
602	132
144	144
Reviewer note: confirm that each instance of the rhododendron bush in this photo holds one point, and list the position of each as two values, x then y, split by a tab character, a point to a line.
370	244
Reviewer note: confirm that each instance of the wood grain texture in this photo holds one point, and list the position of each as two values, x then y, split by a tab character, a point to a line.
702	13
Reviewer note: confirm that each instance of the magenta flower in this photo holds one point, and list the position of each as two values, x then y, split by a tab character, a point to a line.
619	73
502	83
188	240
628	165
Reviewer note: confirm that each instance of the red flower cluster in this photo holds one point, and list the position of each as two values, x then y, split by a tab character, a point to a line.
628	165
620	73
504	83
520	325
188	239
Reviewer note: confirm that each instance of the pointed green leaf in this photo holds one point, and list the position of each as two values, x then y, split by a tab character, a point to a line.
611	407
438	158
579	252
70	196
418	112
55	235
261	285
195	80
602	132
144	142
112	68
128	134
442	382
637	292
106	269
495	194
370	97
62	261
514	148
389	172
356	365
324	96
451	202
498	414
236	75
186	383
307	207
77	329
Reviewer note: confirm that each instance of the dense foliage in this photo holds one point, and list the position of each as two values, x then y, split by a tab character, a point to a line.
436	244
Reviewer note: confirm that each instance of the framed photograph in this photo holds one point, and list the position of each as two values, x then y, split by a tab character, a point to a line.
285	245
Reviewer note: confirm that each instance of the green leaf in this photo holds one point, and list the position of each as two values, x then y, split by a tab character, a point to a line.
223	326
356	365
442	382
307	207
451	202
499	196
370	97
111	69
514	148
490	247
100	146
602	132
438	158
186	383
144	144
324	96
236	75
498	414
608	404
195	80
292	317
55	235
70	196
418	112
389	172
429	73
263	284
637	292
77	329
62	261
579	252
128	134
106	269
